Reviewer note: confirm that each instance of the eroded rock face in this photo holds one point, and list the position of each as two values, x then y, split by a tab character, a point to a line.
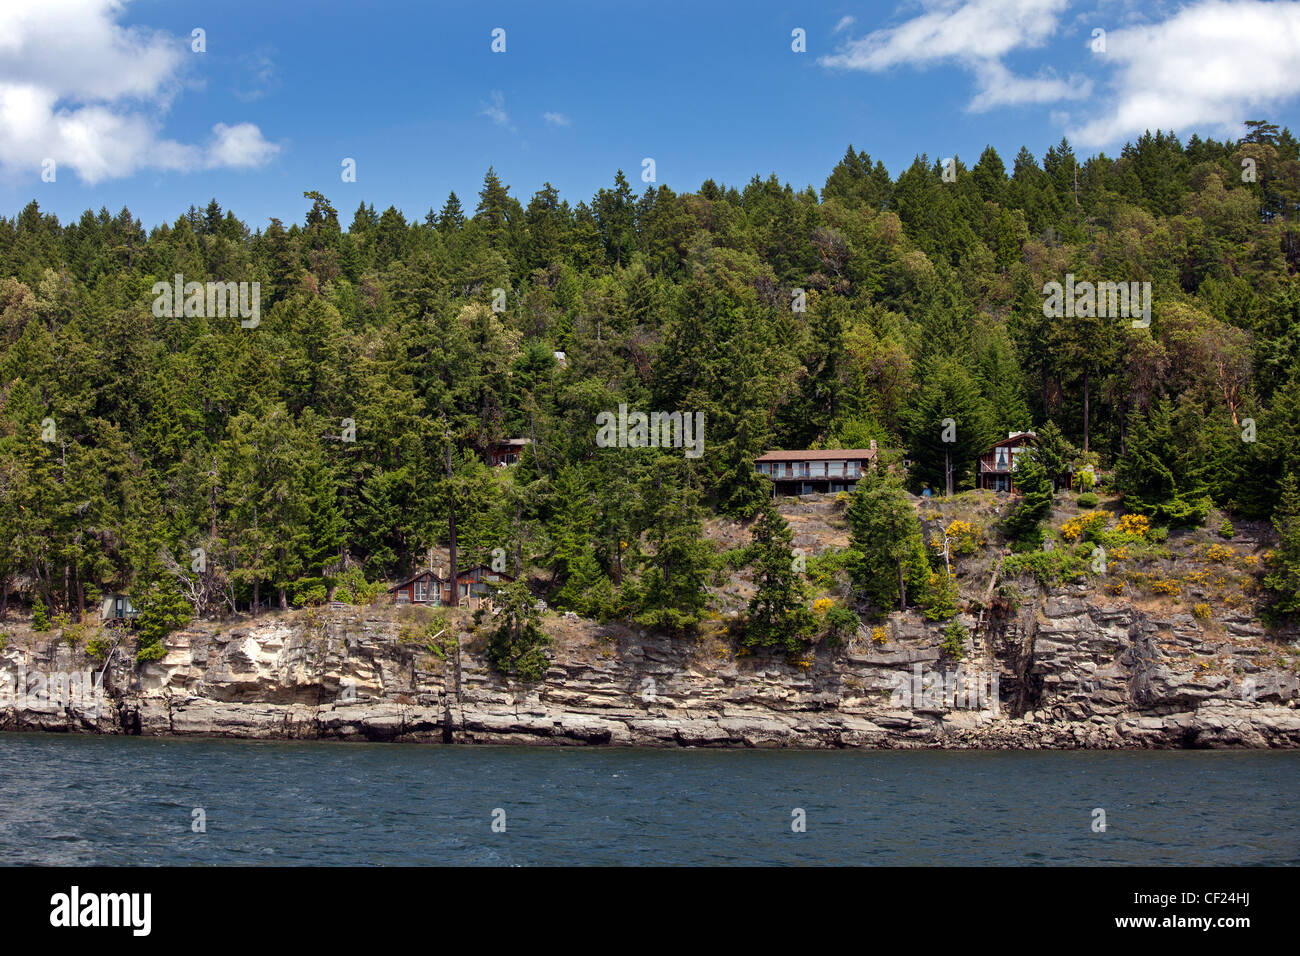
1071	673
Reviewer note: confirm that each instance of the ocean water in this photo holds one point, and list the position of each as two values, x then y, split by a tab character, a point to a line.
70	800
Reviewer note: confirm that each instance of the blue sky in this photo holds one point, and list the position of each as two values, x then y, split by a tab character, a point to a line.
114	94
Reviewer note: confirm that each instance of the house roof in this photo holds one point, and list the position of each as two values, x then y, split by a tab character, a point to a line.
1017	438
820	454
512	442
461	572
416	576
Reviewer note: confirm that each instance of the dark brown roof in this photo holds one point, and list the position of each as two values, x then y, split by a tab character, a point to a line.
820	454
1018	438
416	576
461	572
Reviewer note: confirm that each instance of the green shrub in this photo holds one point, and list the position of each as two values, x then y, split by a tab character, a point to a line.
1088	500
1050	567
308	592
99	648
841	624
352	587
150	652
939	597
40	617
517	648
953	642
1226	530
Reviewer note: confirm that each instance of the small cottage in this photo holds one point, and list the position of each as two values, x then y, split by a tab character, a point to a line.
809	472
116	607
507	451
998	464
432	588
423	588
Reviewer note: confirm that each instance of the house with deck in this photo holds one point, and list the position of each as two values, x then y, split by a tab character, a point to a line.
809	471
996	470
432	588
508	451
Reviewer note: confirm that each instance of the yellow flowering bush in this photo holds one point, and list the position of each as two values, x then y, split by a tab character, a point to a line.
1083	525
1165	586
879	635
1201	611
1218	552
822	605
965	537
1135	526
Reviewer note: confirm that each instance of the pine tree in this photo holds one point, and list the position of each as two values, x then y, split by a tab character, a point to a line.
948	425
1022	525
884	530
451	218
1283	576
778	611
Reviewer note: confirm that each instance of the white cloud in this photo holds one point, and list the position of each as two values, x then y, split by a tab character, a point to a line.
998	86
967	31
496	110
557	119
844	24
975	34
78	88
1210	66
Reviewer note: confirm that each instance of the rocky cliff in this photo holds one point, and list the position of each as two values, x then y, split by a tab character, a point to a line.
1068	670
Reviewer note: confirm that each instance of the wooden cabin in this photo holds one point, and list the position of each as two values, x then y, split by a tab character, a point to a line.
116	607
809	472
508	451
432	588
476	582
997	465
422	588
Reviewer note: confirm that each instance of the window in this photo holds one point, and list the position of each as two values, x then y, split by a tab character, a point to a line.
422	589
835	469
1001	458
818	470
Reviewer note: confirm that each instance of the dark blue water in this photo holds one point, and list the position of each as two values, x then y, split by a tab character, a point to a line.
121	800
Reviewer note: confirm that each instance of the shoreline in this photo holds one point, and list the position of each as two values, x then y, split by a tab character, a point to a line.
1077	675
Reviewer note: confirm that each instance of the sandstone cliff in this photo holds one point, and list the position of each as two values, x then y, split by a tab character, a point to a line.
1072	671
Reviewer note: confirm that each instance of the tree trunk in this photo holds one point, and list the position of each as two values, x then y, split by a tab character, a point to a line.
947	473
1086	383
902	587
519	541
257	598
451	532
